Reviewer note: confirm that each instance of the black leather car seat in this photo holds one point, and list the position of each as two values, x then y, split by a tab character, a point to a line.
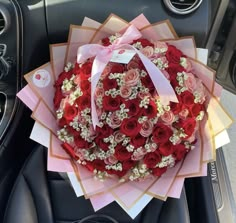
39	196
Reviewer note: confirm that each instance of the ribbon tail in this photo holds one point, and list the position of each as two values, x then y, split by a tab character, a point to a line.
131	34
162	85
94	113
99	65
87	51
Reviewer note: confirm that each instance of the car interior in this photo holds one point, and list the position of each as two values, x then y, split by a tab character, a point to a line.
28	192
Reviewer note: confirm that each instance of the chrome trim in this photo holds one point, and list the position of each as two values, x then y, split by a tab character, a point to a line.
188	10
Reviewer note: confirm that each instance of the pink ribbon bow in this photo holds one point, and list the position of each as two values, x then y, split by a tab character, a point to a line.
103	55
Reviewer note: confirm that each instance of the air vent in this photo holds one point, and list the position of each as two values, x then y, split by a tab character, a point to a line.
182	7
4	19
2	23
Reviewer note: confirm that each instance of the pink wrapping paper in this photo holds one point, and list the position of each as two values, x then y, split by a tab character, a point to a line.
172	181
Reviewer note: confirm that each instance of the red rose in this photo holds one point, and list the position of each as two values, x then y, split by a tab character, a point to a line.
166	149
81	143
64	75
151	159
180	151
72	131
188	125
85	71
98	165
57	97
159	171
105	131
130	127
128	164
161	133
195	109
117	68
151	110
187	98
62	122
106	41
147	82
117	172
70	112
138	141
85	86
144	42
111	104
69	149
76	69
173	54
99	141
109	84
83	102
172	70
121	153
175	107
133	106
139	62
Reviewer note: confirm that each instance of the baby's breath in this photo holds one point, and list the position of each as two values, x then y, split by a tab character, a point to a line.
138	45
166	161
200	116
69	66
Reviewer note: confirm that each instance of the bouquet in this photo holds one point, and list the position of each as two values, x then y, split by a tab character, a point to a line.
128	110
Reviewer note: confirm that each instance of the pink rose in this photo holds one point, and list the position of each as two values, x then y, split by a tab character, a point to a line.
190	82
163	60
119	137
133	65
146	129
111	160
131	77
139	154
153	147
136	156
82	120
147	51
168	117
125	91
201	91
99	92
106	71
160	45
142	95
115	121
